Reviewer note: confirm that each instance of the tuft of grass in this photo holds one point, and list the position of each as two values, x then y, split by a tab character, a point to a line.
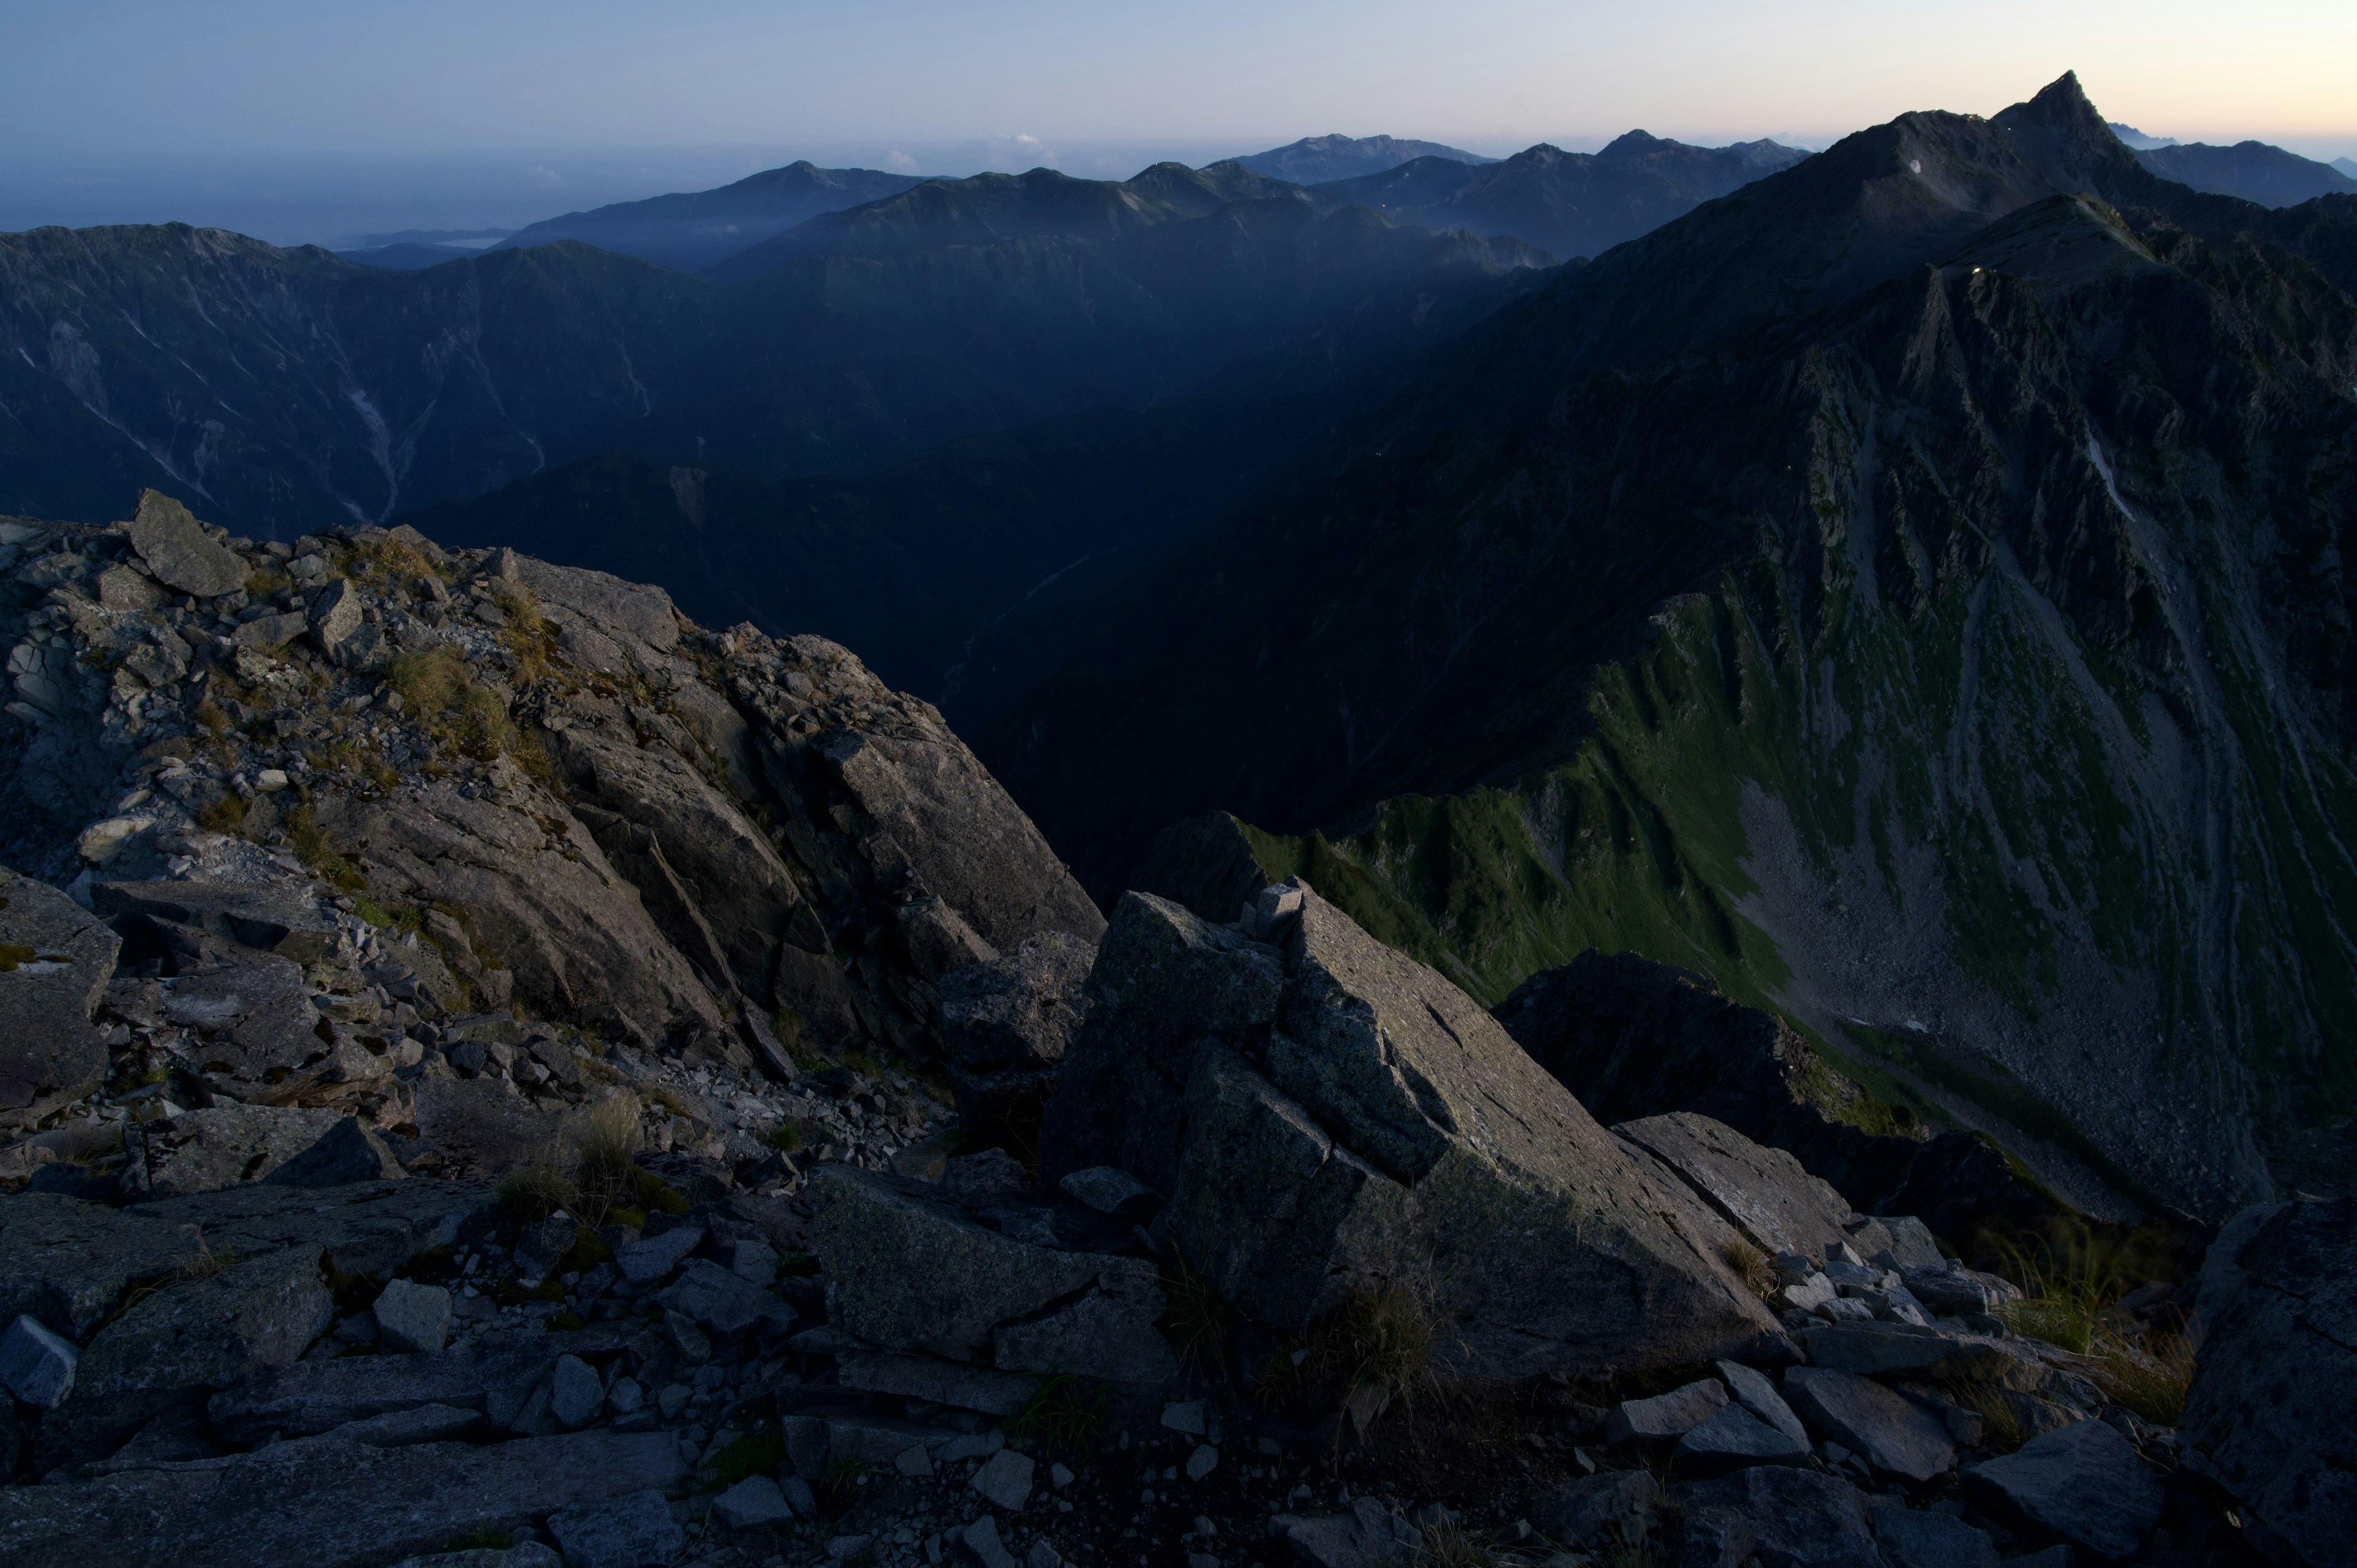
787	1138
2065	1284
603	1171
1750	1266
1376	1352
1066	1415
1452	1546
225	815
202	1264
2000	1420
838	1489
1199	1322
210	718
756	1452
428	678
2150	1375
668	1099
534	1192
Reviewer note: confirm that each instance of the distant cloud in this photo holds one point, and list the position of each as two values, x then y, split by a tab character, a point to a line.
1020	152
541	174
900	163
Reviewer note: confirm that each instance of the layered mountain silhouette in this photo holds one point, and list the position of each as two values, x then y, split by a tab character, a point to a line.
1574	204
1902	590
692	229
2252	170
1314	160
281	388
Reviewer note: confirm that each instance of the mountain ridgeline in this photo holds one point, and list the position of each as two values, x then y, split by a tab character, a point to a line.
1906	590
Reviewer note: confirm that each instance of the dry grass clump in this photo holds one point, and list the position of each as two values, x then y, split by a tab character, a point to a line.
225	815
1373	1354
2000	1420
204	1262
1067	1415
1200	1321
603	1168
534	1192
2149	1375
1450	1545
1750	1266
428	678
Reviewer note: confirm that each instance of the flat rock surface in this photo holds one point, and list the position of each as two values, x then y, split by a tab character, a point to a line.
1800	1517
2271	1415
2083	1485
324	1502
1763	1192
1894	1434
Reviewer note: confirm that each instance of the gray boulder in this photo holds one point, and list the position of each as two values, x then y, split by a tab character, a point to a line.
1951	1290
1755	1393
1007	1023
1890	1432
1612	1509
55	961
263	918
202	1150
1764	1193
326	1502
1877	1348
2083	1485
2270	1416
1794	1518
910	1271
633	1531
721	1302
176	548
348	1151
754	1503
1164	981
411	1316
191	1338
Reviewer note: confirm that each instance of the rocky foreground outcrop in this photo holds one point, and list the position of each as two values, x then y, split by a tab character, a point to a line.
478	1085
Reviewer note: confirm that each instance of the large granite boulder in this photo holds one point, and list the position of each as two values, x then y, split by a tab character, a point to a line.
1005	1024
1335	1113
55	961
2272	1416
2085	1485
200	1151
179	551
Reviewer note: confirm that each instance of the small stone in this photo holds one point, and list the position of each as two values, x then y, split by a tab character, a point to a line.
626	1397
1187	1418
753	1503
756	1263
1058	1477
1107	1190
1894	1436
1752	1390
1042	1555
575	1394
412	1316
1735	1439
981	1538
36	1365
798	1496
644	1263
913	1461
843	1548
635	1530
673	1400
1006	1479
1202	1462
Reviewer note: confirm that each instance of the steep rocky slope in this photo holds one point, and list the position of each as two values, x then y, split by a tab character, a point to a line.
1959	666
472	1061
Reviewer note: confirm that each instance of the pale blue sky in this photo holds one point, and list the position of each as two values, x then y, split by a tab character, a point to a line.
566	97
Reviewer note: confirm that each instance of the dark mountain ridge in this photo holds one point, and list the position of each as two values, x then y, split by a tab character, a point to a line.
1905	590
285	387
1574	204
2254	171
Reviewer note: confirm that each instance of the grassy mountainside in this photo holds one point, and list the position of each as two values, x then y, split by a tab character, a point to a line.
1964	665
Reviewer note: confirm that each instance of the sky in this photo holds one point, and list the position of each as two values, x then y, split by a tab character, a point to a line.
306	118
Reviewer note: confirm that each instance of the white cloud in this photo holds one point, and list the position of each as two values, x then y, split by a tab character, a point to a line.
900	163
541	174
1019	152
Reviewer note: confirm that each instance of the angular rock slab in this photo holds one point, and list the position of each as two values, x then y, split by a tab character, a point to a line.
2085	1485
1654	1424
1554	1248
324	1502
1735	1439
204	1151
179	552
494	1377
1875	1350
55	961
1752	1390
2271	1416
1891	1433
1922	1537
908	1271
1764	1193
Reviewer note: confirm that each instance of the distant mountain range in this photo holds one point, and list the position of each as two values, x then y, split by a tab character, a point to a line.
2254	171
690	230
1574	204
1315	160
